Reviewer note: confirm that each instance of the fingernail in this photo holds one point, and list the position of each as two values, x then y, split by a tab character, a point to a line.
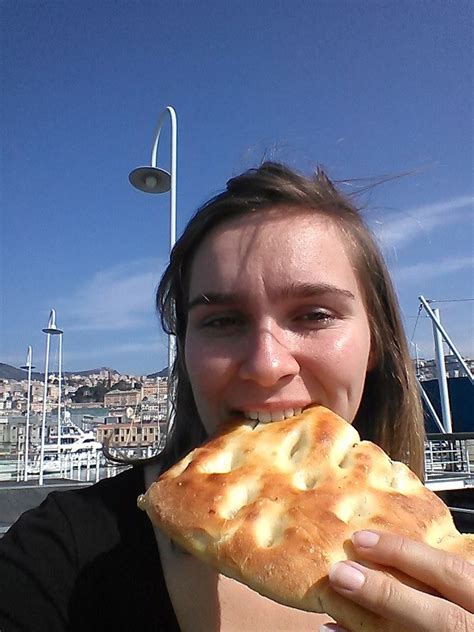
347	575
331	627
365	539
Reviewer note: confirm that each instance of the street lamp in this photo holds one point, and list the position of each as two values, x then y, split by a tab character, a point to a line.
60	362
50	330
28	366
151	179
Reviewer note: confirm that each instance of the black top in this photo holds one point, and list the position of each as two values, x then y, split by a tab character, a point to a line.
85	560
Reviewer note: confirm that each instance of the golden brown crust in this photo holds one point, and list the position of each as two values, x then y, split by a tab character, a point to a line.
274	506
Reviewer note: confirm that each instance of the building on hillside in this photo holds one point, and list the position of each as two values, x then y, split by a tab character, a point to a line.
162	388
426	369
454	368
118	416
153	409
150	388
120	399
149	409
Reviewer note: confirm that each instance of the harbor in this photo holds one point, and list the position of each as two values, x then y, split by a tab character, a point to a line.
72	444
80	462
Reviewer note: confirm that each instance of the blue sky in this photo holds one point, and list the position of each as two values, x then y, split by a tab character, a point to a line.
365	88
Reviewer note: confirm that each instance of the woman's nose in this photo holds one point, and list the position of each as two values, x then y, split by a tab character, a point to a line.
267	358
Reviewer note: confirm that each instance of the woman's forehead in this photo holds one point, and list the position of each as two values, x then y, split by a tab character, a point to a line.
281	245
262	224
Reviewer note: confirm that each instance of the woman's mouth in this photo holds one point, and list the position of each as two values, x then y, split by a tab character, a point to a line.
266	416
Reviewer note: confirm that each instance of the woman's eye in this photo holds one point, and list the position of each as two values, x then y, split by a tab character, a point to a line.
317	317
222	323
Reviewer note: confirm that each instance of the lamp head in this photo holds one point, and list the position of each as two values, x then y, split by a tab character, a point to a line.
51	328
28	364
150	179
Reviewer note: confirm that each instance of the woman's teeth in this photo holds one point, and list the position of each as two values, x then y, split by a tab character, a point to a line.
277	415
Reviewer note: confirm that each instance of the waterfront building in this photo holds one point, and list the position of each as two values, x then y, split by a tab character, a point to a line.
12	431
130	434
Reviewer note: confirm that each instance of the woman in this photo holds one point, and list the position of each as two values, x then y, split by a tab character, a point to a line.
279	298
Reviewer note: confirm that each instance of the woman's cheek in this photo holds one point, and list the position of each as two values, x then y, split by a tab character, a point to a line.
340	364
335	351
206	369
353	346
194	366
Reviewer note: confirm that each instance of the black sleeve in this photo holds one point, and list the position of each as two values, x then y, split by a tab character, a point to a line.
85	560
38	566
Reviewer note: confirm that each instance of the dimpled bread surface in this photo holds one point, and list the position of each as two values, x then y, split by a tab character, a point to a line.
274	506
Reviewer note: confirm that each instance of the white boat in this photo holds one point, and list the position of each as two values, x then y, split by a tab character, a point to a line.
75	447
73	442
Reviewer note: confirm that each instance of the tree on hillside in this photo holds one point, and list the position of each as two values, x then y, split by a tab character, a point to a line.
86	394
122	385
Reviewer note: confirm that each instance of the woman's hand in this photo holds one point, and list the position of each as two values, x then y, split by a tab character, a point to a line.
448	577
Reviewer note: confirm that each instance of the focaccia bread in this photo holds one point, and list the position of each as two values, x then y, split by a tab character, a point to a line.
274	506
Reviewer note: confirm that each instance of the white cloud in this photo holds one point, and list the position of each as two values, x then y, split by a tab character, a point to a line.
117	298
399	229
432	269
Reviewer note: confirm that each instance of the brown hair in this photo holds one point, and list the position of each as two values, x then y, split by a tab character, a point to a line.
390	413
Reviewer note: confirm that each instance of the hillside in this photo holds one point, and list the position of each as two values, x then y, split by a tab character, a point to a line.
9	372
162	373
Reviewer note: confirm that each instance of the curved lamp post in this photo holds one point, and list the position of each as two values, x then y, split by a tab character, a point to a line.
60	374
28	367
151	179
50	330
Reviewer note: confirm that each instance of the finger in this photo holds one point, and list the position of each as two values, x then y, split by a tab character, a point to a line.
409	608
331	627
449	574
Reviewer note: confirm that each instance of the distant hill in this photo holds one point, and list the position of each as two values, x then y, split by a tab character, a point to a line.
162	373
92	371
8	372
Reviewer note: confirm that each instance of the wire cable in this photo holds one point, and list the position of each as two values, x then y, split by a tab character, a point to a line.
416	323
451	300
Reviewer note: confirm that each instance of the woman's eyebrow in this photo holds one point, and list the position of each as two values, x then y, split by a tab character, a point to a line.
307	290
295	290
214	298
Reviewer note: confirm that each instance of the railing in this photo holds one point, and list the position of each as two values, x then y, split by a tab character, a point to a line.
448	463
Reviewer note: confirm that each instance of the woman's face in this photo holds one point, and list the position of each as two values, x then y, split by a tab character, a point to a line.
276	320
